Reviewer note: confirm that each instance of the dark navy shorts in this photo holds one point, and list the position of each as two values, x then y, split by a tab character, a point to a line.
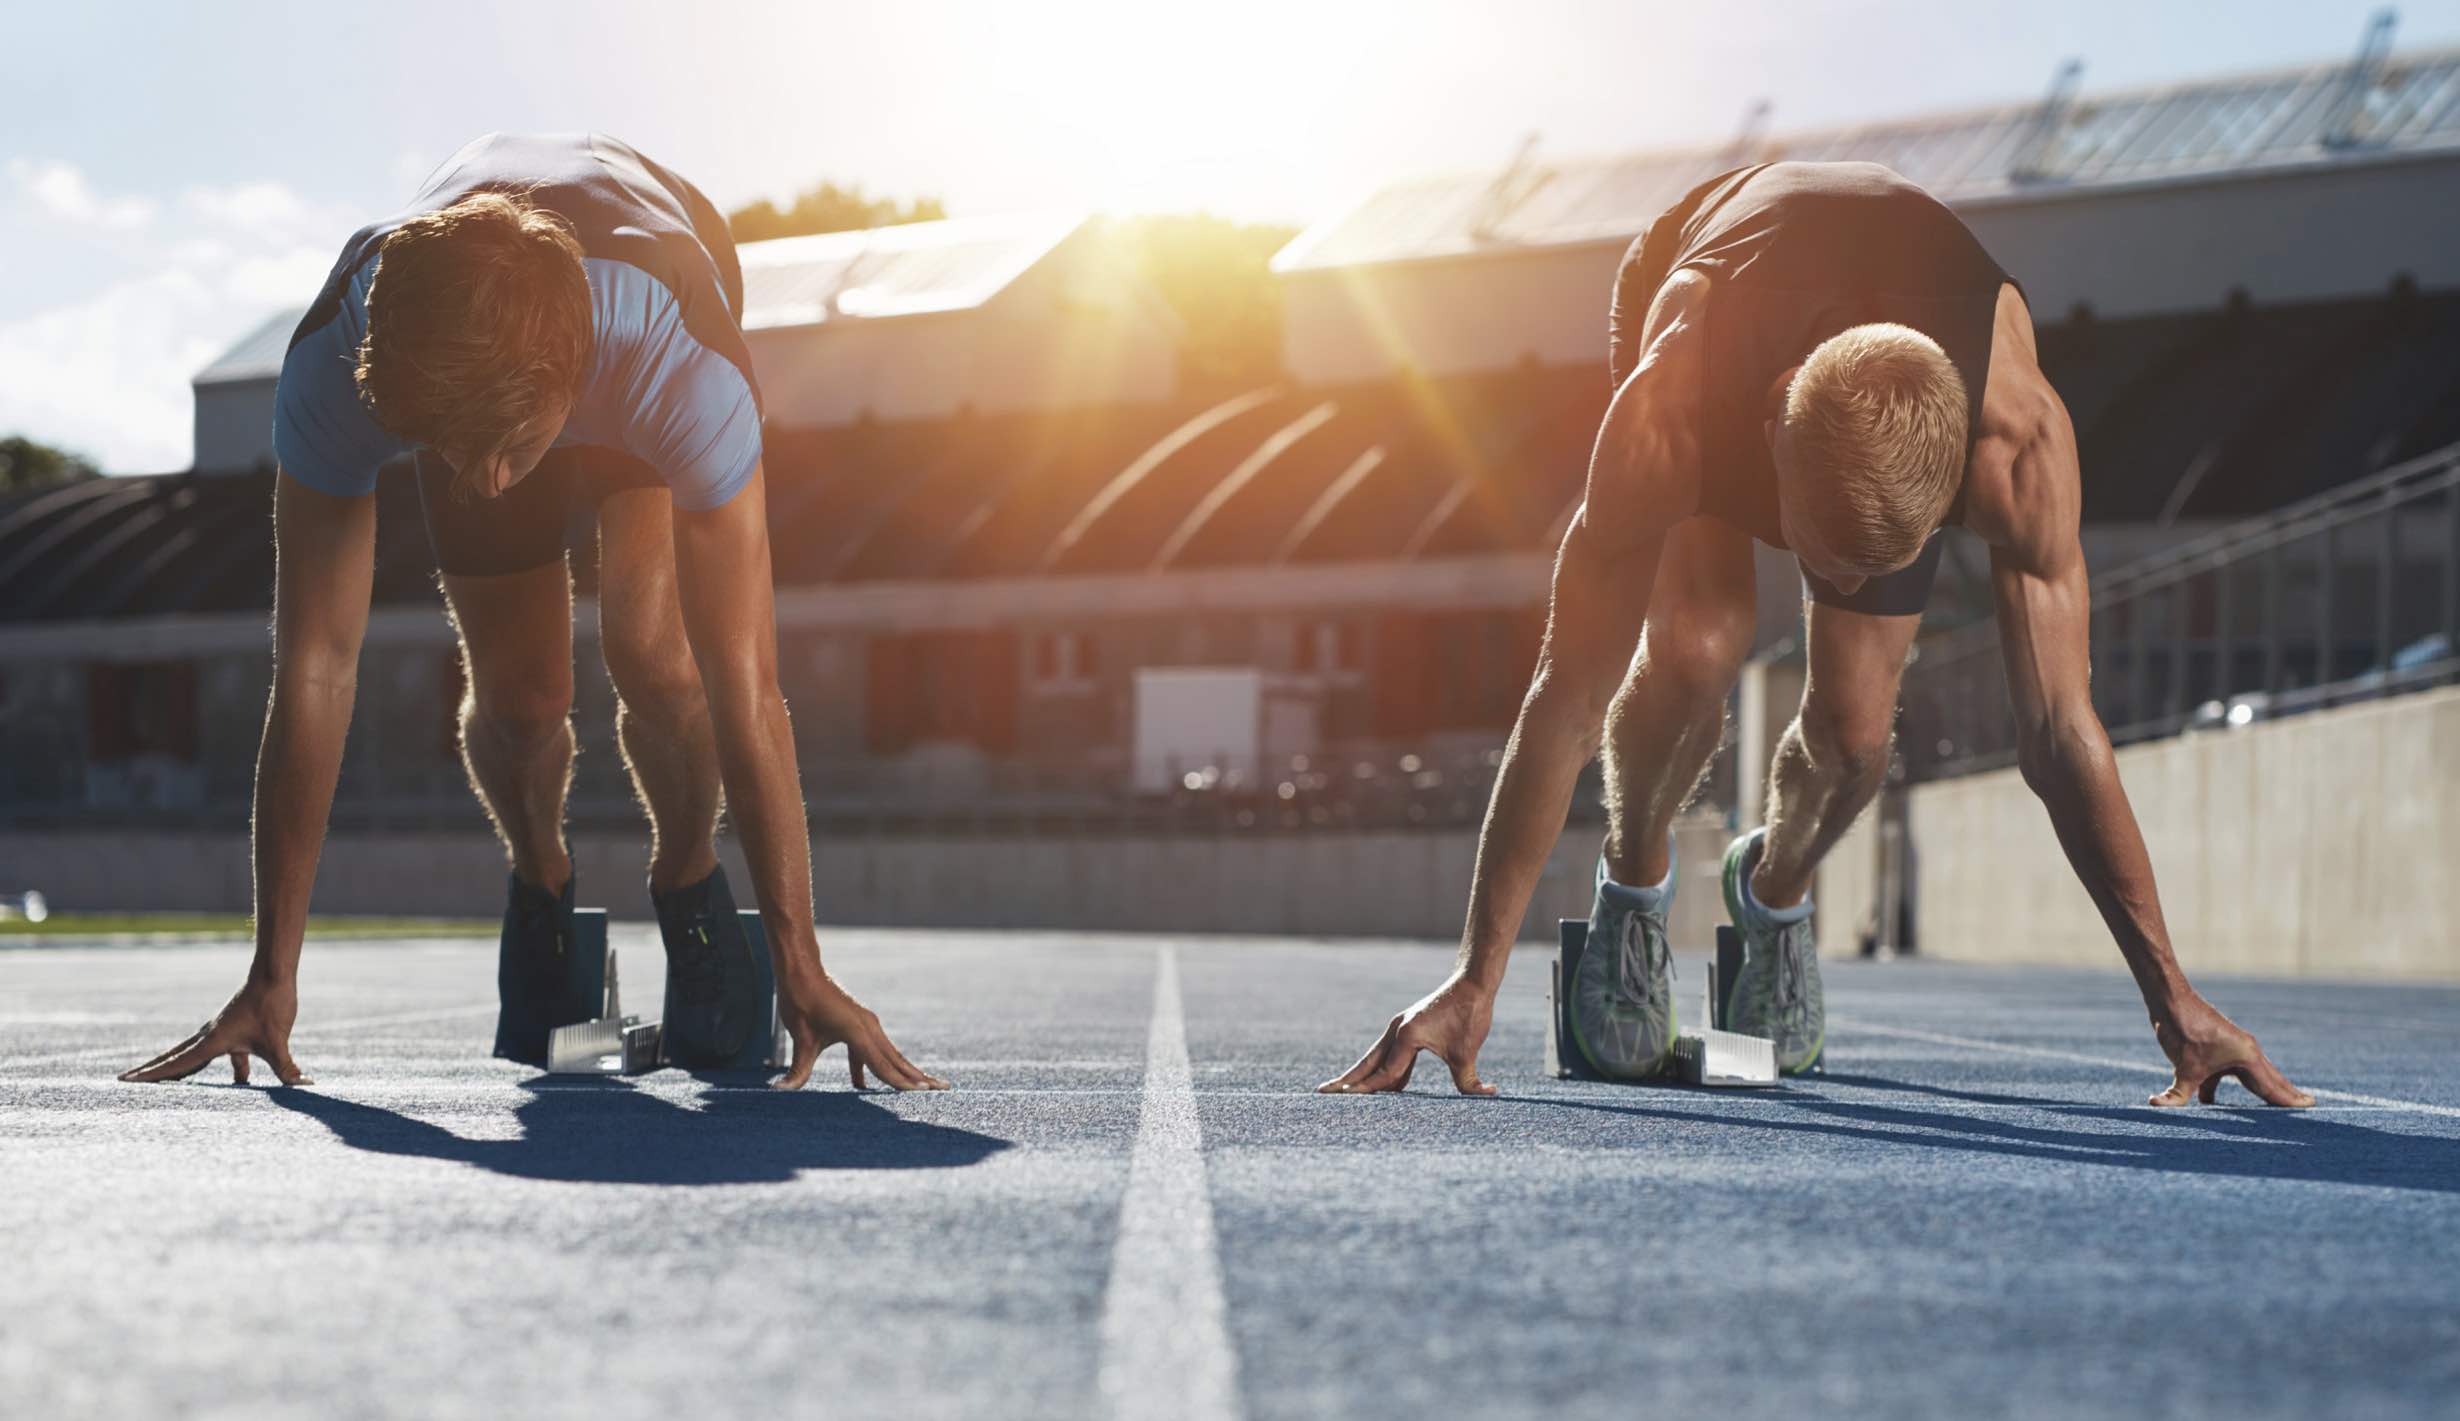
534	522
1902	593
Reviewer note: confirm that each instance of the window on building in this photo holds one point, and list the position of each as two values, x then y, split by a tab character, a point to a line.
1452	671
1332	648
1063	662
956	686
141	708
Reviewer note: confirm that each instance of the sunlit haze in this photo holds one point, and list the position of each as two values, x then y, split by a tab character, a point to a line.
170	176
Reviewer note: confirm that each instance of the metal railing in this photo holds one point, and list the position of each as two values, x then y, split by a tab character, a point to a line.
1360	785
2345	596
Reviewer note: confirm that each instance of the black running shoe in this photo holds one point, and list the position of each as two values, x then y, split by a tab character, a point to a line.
715	998
534	980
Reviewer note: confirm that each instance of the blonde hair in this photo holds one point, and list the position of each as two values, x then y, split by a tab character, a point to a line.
1876	417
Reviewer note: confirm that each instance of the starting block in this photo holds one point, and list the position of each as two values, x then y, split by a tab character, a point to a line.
612	1043
1709	1056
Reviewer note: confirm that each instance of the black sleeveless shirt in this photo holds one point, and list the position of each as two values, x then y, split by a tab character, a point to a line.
1800	252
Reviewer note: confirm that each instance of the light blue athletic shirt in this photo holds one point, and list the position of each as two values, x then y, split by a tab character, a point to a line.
668	379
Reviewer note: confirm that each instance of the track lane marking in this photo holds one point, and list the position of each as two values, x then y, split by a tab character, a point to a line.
1166	1349
2047	1053
316	1031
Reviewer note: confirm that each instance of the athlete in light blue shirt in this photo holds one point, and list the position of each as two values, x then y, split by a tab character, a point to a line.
551	330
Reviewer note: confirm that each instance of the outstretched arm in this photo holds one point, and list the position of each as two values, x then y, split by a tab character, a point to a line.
1603	575
730	614
2045	619
324	566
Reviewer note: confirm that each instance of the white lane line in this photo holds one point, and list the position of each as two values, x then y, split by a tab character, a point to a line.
1166	1349
2046	1053
314	1031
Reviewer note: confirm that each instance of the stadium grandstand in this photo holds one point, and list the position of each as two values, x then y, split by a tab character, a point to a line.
1009	540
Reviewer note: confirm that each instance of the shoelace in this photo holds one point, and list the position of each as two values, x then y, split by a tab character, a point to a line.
1786	993
1634	928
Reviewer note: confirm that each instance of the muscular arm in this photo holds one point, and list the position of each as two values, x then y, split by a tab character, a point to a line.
2045	617
1599	604
1603	576
324	566
730	614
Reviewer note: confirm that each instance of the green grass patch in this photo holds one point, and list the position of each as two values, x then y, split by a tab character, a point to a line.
231	925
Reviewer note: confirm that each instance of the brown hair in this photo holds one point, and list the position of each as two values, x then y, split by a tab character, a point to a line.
478	320
1877	417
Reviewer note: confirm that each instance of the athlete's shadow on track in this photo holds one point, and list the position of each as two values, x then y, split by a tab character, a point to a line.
606	1132
2254	1143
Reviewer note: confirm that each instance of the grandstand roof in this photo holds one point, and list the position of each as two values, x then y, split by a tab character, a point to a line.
2326	113
904	270
257	355
2213	414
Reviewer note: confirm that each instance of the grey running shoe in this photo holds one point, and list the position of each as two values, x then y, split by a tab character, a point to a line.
1623	992
1777	992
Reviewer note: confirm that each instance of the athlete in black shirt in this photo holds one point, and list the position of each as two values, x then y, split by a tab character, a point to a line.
1821	357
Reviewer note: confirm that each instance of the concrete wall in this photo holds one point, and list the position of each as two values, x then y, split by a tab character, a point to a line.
234	426
2317	846
1382	884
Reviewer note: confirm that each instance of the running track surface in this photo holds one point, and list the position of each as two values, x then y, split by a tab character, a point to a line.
1132	1205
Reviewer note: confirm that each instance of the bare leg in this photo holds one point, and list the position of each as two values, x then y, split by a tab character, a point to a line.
516	717
1664	724
1833	758
661	716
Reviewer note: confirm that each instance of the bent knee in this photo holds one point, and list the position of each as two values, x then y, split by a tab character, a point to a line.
660	681
525	714
1854	743
1700	657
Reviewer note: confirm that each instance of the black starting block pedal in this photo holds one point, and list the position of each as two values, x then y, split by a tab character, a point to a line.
1709	1056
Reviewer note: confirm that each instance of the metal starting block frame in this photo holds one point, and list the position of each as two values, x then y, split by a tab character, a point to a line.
1711	1056
613	1044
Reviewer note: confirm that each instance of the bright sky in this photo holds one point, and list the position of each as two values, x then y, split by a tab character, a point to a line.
171	174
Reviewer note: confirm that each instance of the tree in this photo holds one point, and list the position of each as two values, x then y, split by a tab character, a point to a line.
26	464
828	208
1214	274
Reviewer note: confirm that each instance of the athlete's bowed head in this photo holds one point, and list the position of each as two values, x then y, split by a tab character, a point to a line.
478	337
1869	451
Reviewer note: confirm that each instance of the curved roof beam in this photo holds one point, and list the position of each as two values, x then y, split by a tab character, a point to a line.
884	513
1275	445
78	509
1435	519
1135	473
1326	503
110	543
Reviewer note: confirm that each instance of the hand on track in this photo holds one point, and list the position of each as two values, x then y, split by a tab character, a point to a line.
255	1022
820	1014
1450	1021
2205	1046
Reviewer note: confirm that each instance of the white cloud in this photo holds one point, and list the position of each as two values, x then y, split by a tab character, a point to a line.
61	190
108	373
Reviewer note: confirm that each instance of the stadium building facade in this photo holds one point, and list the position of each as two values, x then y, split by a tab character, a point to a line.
1004	534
